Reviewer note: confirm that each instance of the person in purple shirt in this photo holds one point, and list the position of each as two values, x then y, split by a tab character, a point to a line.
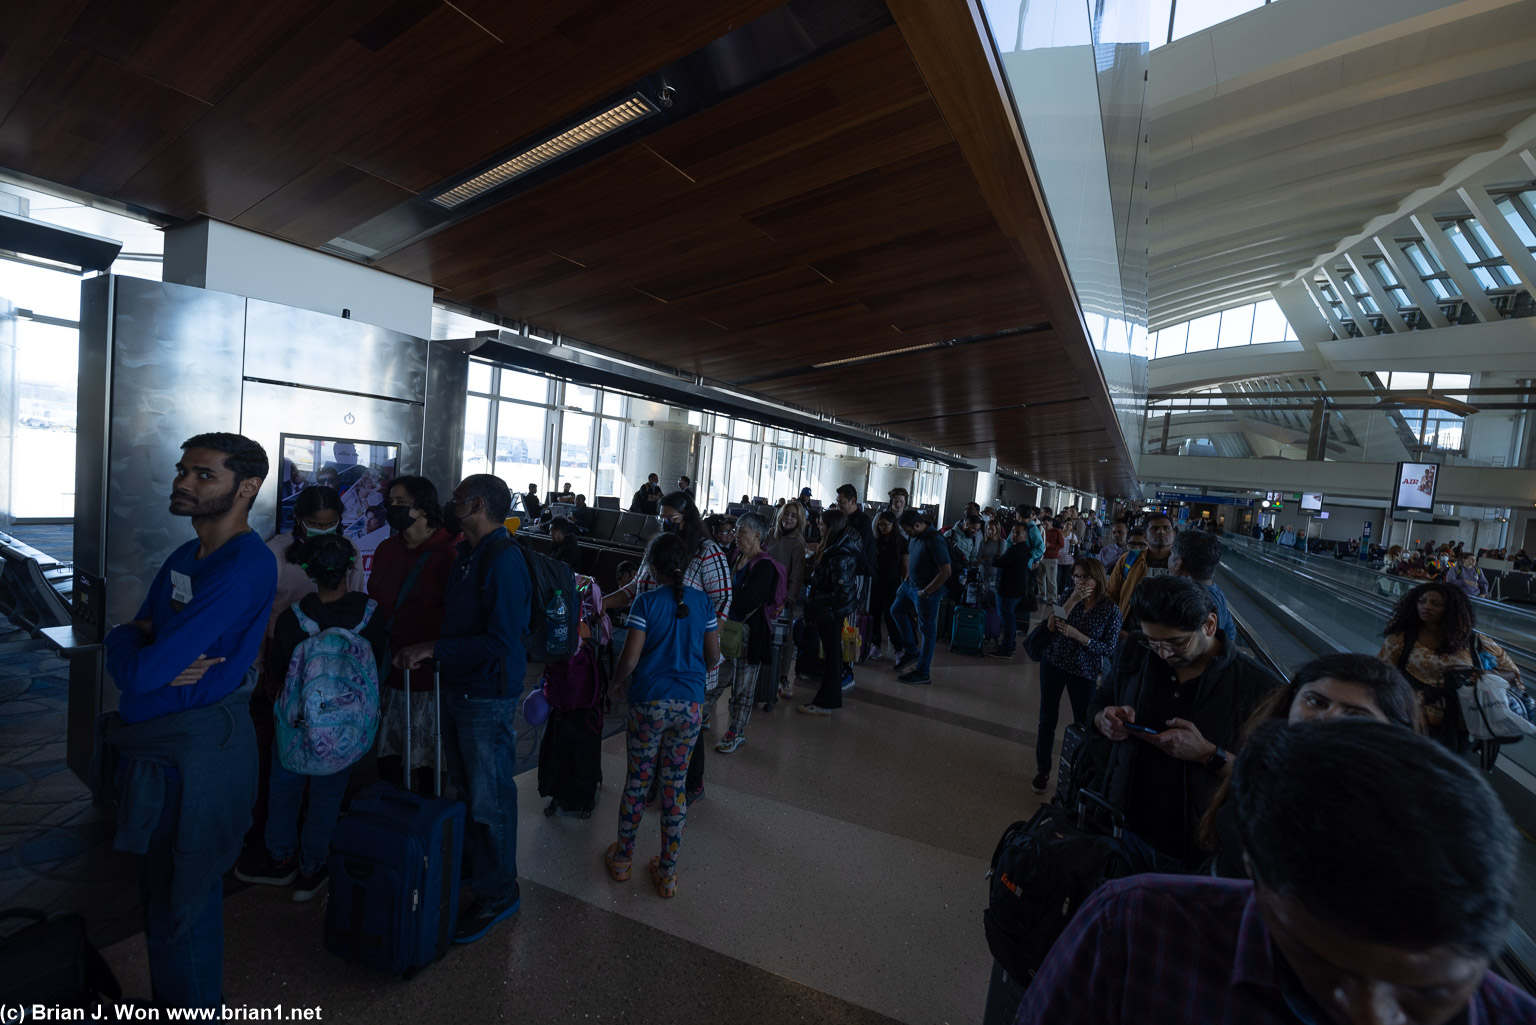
1382	870
179	754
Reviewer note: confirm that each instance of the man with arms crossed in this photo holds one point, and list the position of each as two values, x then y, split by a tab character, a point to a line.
179	754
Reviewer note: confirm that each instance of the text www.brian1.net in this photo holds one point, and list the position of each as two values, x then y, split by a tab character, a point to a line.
12	1014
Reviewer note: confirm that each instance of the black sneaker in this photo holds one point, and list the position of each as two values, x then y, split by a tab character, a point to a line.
910	658
266	870
914	677
477	919
999	653
309	883
1039	782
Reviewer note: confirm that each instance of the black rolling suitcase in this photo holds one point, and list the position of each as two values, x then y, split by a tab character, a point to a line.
395	863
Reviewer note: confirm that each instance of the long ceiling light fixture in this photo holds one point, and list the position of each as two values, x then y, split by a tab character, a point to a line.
636	108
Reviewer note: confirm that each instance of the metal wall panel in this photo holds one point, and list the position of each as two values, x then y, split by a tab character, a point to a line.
177	352
302	347
442	455
269	411
93	386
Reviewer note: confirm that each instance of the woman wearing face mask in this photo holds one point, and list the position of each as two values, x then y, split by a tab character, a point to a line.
710	572
316	512
409	578
1338	686
786	546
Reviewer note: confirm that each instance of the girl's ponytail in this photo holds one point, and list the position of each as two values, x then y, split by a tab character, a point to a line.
669	557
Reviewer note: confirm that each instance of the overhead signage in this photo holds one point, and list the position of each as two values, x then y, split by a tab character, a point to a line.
1184	496
1311	501
1416	484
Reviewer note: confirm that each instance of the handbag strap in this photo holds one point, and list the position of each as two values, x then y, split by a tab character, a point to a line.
405	590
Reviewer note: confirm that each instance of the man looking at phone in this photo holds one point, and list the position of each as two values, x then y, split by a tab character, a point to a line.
1171	710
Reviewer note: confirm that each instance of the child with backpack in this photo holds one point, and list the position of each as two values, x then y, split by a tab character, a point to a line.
327	649
674	639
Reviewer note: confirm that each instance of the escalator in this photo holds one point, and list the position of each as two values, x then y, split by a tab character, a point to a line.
1290	608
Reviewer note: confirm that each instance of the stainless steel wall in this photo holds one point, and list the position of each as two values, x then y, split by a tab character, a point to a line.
160	363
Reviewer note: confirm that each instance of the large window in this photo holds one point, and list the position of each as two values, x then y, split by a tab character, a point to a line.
39	388
1252	324
1175	19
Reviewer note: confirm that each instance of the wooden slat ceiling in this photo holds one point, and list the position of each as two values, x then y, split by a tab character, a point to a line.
829	213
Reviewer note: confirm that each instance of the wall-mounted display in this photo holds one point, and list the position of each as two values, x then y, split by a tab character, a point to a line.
361	471
1415	490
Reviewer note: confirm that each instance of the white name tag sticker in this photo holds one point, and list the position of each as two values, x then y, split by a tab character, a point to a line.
181	590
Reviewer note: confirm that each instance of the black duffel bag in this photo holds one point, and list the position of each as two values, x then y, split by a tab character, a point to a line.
1044	869
51	961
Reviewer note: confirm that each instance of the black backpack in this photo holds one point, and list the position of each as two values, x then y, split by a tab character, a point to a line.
1042	872
547	575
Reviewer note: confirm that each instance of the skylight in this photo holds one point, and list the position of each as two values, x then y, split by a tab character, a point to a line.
1175	19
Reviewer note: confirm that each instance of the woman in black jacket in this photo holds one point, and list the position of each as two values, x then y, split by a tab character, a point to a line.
1015	579
890	549
834	592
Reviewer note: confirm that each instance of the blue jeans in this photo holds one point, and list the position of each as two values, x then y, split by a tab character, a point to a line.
1006	609
285	795
186	970
909	603
480	747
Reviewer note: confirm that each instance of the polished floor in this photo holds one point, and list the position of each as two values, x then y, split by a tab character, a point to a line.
834	872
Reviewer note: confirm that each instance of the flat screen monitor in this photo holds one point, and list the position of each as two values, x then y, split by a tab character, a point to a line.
1311	501
604	521
906	462
1415	490
608	502
361	471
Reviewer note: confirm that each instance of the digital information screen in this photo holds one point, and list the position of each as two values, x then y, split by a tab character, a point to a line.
1311	501
361	471
1416	487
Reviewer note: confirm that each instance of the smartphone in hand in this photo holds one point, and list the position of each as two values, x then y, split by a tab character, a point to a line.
1137	727
1060	612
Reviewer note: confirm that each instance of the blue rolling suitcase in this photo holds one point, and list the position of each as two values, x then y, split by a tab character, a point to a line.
967	630
394	869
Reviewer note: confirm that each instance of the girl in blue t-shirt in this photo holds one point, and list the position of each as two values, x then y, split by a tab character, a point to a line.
674	638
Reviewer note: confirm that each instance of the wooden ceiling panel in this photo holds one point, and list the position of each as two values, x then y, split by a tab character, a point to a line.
32	31
874	199
153	38
89	122
322	203
555	58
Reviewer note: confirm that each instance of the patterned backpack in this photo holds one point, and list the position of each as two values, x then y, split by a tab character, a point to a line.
328	711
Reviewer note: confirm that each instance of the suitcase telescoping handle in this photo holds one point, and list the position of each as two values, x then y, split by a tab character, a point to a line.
437	717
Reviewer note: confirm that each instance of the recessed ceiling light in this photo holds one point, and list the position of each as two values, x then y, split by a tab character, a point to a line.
634	109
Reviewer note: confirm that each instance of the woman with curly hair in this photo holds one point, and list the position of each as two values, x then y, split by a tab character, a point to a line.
1432	630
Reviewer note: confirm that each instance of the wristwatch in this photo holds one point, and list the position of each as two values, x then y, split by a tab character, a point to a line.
1217	761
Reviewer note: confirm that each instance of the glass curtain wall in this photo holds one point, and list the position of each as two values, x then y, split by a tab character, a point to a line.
38	385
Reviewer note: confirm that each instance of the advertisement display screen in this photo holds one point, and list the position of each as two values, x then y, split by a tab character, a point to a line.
361	471
1311	502
1416	487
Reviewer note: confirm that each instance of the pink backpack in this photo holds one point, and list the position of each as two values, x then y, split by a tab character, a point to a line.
577	685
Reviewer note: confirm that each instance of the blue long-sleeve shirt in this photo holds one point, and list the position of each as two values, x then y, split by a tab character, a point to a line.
481	646
216	606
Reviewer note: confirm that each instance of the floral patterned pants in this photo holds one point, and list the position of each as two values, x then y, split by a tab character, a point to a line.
662	735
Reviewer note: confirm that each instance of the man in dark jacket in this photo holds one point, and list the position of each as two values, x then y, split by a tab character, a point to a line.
1170	712
860	523
1015	583
646	499
563	545
483	660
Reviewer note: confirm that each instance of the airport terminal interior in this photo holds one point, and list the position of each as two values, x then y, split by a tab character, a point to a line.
1261	271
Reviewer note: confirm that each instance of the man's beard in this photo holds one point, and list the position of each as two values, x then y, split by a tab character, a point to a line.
217	506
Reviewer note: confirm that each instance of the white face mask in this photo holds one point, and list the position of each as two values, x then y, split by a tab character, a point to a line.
310	530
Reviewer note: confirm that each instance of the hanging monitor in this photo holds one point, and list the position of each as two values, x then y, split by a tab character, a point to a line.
1311	501
1415	492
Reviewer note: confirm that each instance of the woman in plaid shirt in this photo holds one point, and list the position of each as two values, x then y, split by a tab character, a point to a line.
709	571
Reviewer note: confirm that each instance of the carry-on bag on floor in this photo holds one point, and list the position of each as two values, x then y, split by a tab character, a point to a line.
766	692
571	762
807	650
866	623
946	617
966	632
394	870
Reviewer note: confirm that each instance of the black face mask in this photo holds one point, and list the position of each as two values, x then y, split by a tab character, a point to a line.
452	520
671	526
399	516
